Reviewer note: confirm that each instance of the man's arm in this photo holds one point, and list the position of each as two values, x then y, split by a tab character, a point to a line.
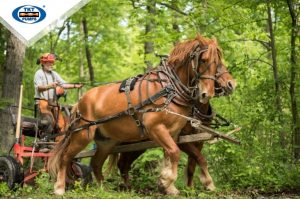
61	82
75	85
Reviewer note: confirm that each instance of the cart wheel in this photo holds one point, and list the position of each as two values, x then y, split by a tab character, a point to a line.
10	171
83	172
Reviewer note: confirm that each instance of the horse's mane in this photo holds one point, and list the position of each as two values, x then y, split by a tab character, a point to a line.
181	52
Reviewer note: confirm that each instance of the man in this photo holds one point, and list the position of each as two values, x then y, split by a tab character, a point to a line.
48	85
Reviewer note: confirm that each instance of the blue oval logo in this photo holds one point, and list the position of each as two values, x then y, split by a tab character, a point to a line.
29	14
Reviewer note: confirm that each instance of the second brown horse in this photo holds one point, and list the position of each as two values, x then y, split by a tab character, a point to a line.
225	86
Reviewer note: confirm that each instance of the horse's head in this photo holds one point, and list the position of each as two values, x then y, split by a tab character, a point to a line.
196	63
225	83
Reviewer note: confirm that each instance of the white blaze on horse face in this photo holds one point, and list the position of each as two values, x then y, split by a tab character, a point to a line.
206	90
208	70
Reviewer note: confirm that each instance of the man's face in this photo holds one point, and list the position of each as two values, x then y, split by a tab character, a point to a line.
48	66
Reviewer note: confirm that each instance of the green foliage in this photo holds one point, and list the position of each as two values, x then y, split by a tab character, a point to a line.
145	170
4	190
42	182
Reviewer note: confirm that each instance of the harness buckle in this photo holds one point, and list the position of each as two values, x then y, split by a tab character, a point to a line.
138	123
195	93
130	111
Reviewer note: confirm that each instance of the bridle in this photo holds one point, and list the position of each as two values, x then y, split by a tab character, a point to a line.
219	90
194	60
186	93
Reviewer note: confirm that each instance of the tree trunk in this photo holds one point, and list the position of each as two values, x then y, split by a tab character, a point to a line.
150	24
294	110
68	42
87	51
3	36
282	134
15	53
175	25
81	69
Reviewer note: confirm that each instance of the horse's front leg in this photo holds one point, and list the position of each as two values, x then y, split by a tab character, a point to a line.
161	135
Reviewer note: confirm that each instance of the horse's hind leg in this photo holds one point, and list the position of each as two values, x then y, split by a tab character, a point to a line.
190	170
194	152
97	161
205	177
77	142
124	165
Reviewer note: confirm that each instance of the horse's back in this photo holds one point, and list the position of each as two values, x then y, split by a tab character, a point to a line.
108	100
101	101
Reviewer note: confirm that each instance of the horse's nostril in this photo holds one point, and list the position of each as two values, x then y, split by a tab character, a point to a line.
203	95
229	85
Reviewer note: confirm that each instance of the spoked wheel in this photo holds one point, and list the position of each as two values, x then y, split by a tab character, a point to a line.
80	172
10	171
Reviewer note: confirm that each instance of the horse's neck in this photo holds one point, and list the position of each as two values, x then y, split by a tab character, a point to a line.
184	74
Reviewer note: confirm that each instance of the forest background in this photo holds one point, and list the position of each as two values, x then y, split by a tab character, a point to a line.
111	40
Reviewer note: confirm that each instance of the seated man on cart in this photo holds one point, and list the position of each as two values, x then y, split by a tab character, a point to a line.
49	86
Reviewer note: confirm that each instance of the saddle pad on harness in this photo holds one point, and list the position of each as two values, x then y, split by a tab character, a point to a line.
123	84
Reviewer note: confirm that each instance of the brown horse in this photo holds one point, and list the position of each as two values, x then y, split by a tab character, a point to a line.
141	113
225	86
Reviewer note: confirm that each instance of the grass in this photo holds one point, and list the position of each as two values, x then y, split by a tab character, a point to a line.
144	175
44	189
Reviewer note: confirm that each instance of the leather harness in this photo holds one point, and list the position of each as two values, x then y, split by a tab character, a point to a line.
172	89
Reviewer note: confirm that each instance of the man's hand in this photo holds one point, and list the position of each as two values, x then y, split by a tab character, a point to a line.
53	85
79	85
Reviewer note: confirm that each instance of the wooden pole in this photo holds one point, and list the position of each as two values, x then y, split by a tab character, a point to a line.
19	115
149	144
199	126
227	134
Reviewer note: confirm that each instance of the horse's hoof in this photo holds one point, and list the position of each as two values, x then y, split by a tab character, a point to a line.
172	191
211	187
59	192
161	186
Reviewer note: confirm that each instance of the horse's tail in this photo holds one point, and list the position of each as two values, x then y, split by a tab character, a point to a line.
112	162
55	160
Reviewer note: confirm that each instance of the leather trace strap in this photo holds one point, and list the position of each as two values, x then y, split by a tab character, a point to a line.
167	92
